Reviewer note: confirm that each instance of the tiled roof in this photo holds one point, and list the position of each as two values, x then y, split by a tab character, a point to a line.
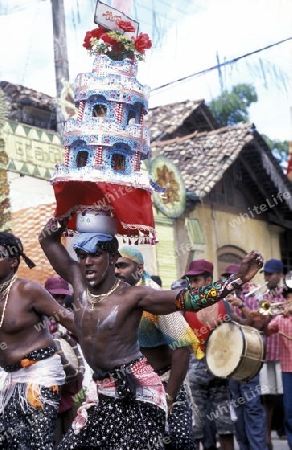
179	119
30	106
203	158
27	225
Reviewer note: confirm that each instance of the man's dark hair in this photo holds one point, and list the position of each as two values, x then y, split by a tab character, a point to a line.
206	275
109	246
14	248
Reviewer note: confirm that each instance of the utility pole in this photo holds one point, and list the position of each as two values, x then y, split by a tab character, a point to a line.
60	54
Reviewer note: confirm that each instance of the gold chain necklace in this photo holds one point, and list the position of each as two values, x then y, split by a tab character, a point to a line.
101	297
3	292
6	299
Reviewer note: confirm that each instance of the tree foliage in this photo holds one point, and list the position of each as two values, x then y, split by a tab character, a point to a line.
280	150
231	108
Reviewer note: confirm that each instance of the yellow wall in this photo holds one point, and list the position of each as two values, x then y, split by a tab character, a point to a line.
247	235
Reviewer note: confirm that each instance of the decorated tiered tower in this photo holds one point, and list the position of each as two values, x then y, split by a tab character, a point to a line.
100	186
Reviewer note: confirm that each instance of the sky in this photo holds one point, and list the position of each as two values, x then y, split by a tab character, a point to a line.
188	36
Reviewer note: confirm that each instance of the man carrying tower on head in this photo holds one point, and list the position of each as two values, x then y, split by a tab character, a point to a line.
165	340
126	406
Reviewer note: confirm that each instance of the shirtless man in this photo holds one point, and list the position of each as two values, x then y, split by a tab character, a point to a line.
131	403
31	371
166	342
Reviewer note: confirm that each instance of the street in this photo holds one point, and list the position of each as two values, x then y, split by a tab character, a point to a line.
278	444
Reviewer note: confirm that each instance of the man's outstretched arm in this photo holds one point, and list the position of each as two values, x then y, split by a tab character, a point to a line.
194	299
50	241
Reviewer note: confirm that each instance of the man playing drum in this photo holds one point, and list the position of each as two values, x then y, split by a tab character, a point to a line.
250	424
210	395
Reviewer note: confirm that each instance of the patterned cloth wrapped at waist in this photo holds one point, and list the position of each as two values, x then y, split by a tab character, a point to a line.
134	381
125	381
31	358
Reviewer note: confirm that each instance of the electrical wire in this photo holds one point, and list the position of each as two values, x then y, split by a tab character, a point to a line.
225	63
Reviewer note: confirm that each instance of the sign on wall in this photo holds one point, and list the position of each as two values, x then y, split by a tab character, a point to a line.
166	174
31	151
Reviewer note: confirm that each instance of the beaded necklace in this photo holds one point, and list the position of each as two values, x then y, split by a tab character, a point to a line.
5	285
6	294
100	297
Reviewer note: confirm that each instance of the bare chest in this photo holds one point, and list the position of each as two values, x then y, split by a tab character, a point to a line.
101	317
15	314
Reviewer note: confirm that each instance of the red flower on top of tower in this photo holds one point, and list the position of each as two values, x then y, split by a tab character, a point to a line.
125	26
115	44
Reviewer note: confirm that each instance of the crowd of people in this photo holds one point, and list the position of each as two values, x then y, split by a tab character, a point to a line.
103	357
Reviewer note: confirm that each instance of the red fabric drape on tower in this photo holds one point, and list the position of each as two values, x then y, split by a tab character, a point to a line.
131	206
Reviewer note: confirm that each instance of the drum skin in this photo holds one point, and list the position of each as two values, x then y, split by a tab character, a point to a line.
235	351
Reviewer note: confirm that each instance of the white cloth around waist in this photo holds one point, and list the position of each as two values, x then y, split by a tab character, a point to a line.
45	373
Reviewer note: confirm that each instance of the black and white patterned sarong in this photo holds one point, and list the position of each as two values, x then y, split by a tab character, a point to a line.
32	429
29	399
115	417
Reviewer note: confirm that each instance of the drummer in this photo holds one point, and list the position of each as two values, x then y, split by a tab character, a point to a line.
250	428
210	395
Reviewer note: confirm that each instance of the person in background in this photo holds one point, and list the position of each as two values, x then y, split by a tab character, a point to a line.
59	289
270	374
32	371
250	426
165	341
282	325
209	394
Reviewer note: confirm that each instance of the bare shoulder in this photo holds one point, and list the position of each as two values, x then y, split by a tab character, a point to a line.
140	293
23	283
131	293
30	288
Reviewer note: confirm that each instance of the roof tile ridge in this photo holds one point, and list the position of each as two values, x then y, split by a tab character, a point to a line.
245	125
174	140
